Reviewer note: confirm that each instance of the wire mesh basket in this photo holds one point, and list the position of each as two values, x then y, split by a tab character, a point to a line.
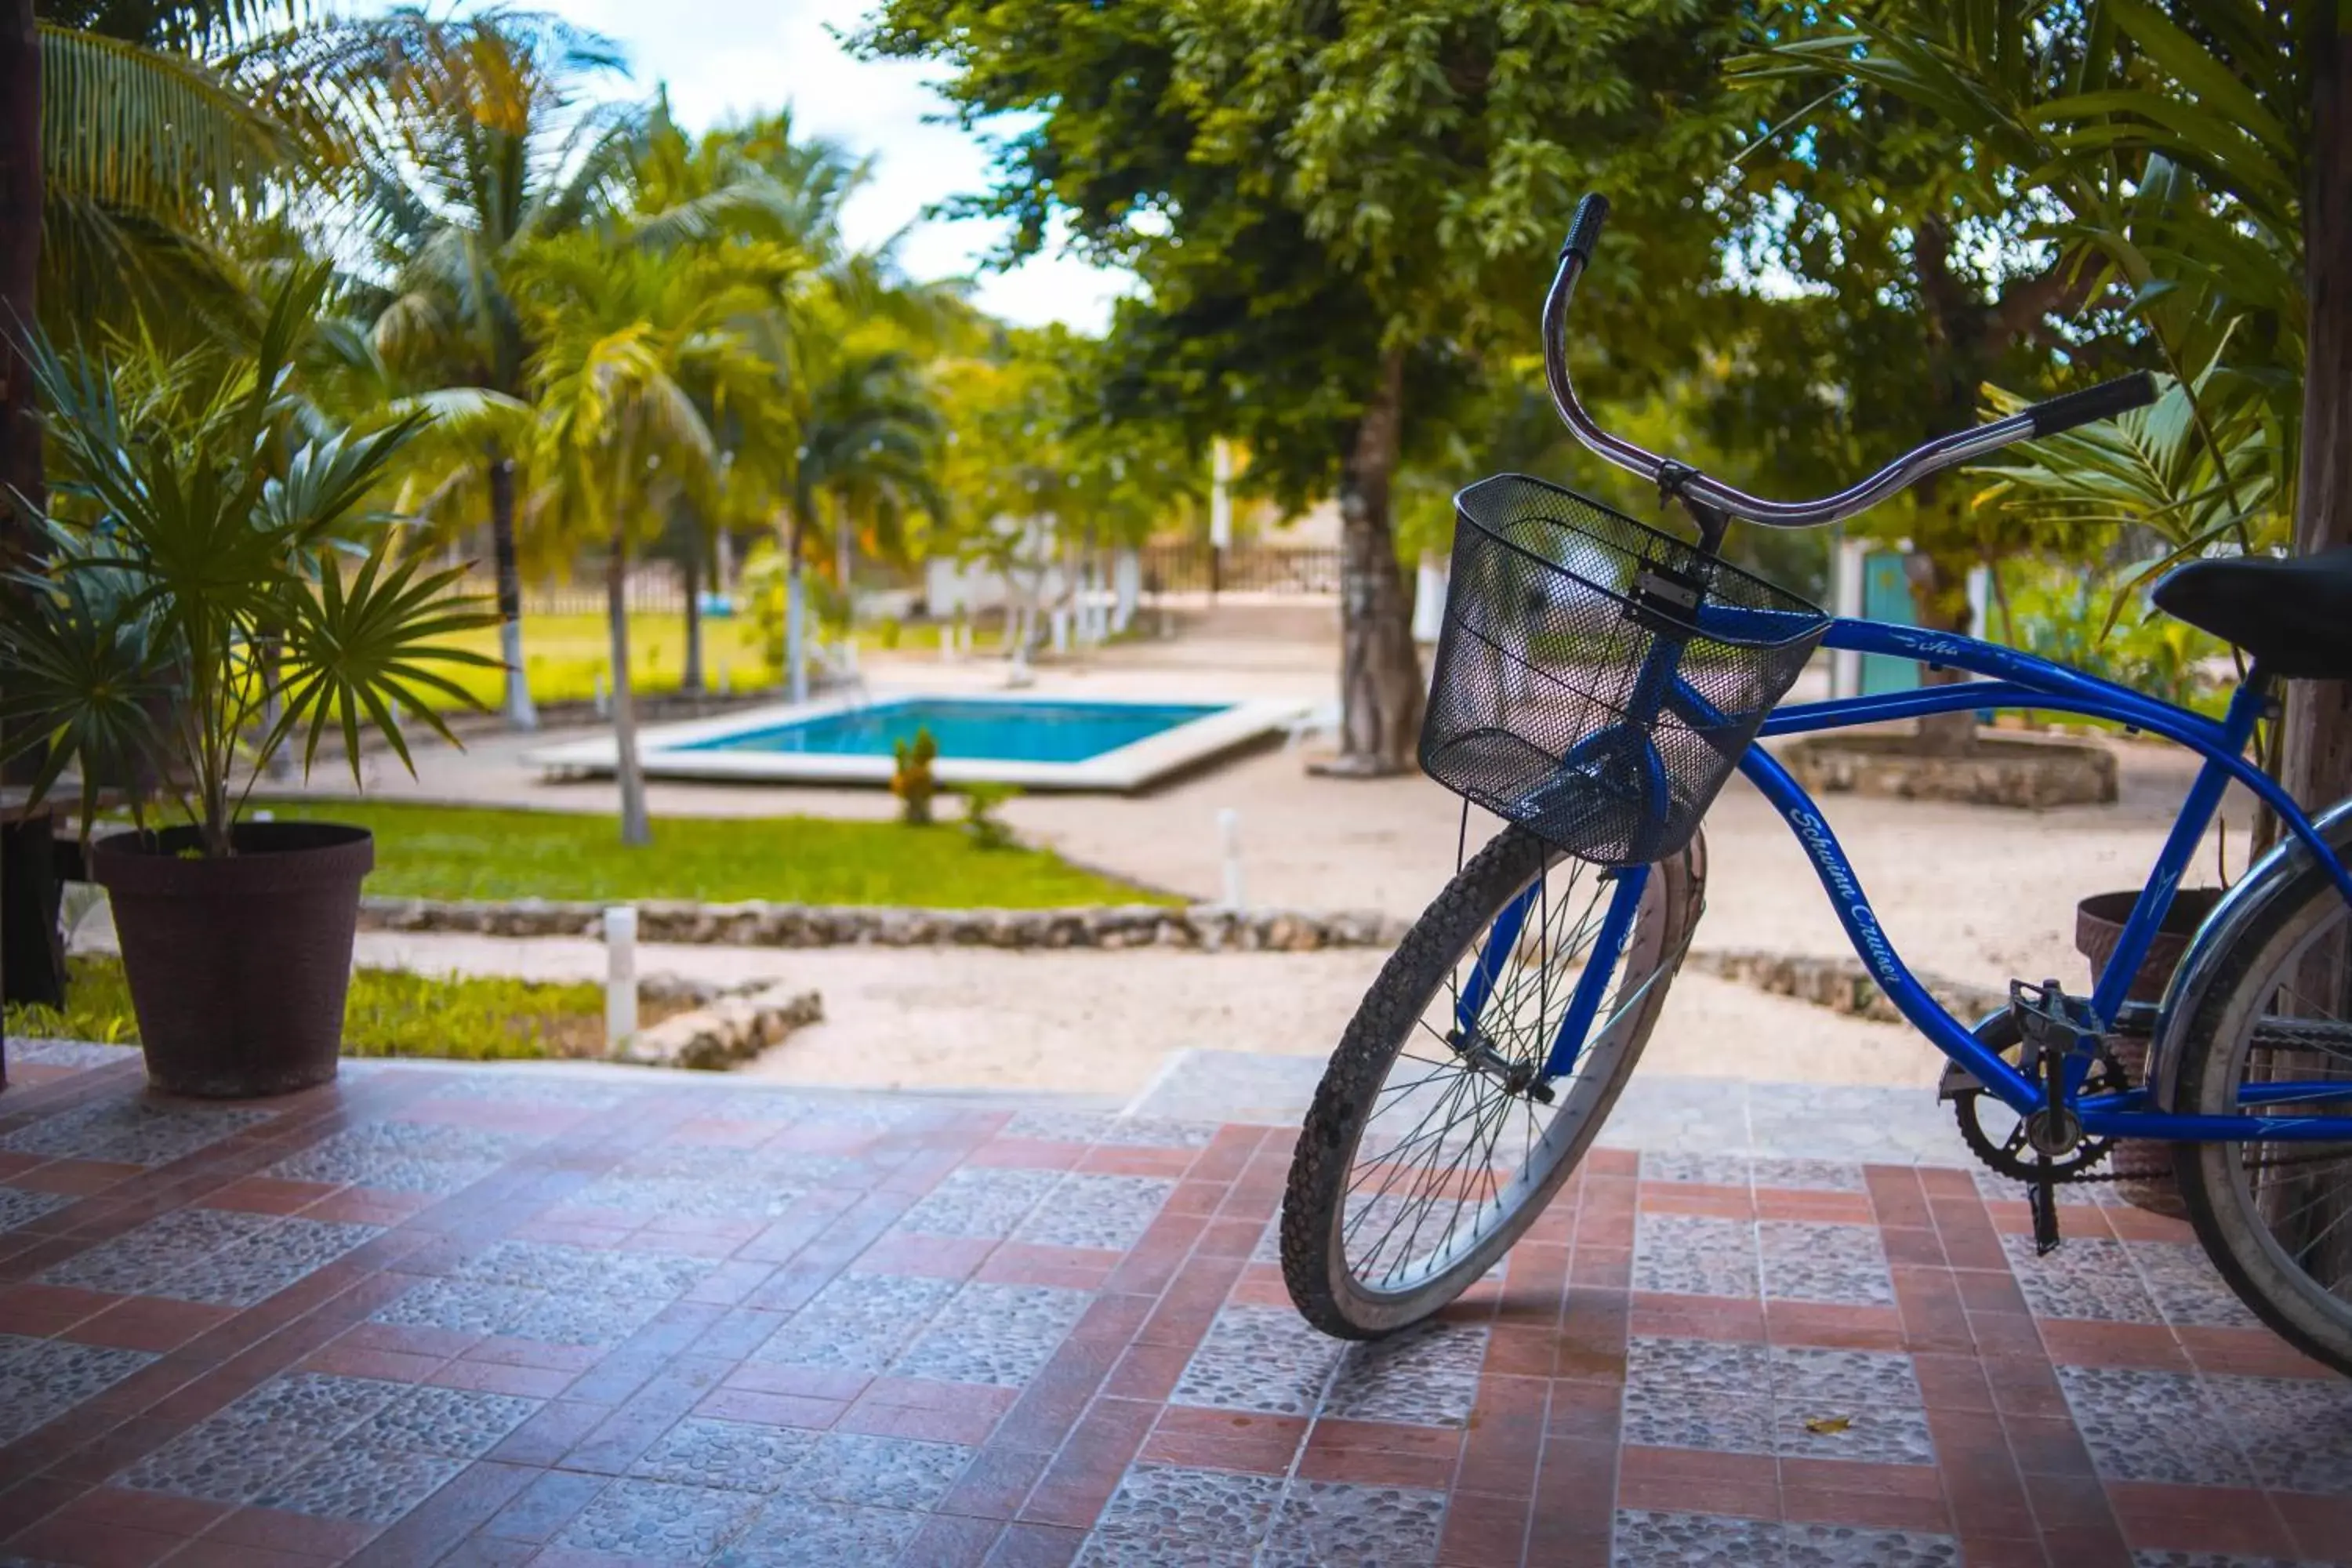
1597	680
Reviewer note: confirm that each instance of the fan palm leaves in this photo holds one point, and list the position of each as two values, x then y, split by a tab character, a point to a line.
219	584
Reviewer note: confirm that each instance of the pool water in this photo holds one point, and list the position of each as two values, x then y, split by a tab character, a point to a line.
993	731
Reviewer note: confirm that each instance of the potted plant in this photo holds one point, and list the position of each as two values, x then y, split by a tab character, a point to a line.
219	587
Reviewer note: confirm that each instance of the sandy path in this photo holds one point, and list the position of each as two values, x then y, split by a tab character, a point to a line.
1096	1024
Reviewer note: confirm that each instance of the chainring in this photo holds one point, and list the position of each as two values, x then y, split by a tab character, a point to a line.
2013	1156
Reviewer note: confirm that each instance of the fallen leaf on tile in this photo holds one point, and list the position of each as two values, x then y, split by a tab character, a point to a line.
1824	1425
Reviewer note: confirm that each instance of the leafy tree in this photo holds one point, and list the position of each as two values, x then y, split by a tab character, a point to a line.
486	157
1326	203
2194	153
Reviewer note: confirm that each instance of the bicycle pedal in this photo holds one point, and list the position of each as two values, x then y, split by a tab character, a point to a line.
2042	1197
2047	1016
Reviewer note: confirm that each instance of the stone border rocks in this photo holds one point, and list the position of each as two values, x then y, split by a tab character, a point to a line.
1203	928
2028	773
734	1027
1840	985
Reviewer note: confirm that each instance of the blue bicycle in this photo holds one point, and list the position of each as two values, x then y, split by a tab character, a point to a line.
1596	683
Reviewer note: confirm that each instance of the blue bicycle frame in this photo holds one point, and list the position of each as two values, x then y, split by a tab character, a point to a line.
2011	680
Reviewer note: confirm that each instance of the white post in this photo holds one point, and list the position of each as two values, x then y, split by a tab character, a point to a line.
1059	623
1845	663
603	697
1229	842
1428	597
1126	588
620	976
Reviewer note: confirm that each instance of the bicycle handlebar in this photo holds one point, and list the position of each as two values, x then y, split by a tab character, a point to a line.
2047	418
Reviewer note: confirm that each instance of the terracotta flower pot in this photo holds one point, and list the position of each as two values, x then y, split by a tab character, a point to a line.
2143	1164
239	968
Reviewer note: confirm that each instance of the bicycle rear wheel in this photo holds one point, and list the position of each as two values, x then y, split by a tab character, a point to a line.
2276	1218
1428	1150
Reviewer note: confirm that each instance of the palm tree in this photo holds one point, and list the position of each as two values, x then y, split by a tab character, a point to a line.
485	160
870	448
635	345
131	132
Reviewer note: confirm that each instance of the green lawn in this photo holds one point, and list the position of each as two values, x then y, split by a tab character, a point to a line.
390	1014
442	852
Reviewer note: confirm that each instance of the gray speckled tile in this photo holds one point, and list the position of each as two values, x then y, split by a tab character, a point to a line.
261	1437
18	1206
1695	1255
878	1472
1267	1359
374	1486
431	1141
659	1519
1851	1546
1807	1261
261	1267
2296	1432
703	1198
1163	1516
1697	1394
462	1423
1110	1211
2143	1426
510	1083
1269	1243
1158	1132
556	1318
385	1171
81	1054
985	1201
736	1455
143	1257
1646	1539
1323	1523
1805	1175
794	1529
586	1271
1709	1170
1995	1188
1874	1393
2090	1277
859	1322
132	1131
2182	1282
994	1333
40	1380
1425	1376
1059	1126
460	1306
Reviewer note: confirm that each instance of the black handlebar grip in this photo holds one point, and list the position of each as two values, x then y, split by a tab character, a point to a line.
1584	233
2093	404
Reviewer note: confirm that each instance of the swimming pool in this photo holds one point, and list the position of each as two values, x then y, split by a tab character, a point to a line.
1035	742
970	730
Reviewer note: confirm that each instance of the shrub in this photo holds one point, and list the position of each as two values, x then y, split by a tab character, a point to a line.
912	780
980	804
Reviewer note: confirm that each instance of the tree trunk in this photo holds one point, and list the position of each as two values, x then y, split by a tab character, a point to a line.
521	713
1381	689
844	558
689	577
635	828
1939	601
2318	763
795	613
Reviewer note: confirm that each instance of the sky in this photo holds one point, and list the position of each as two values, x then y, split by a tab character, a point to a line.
727	58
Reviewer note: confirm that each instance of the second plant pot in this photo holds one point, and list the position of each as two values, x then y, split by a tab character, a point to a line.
238	967
2144	1165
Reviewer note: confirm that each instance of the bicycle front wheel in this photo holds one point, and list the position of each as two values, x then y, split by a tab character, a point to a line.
1436	1137
2276	1217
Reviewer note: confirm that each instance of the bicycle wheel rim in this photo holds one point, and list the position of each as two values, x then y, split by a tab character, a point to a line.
2297	1196
1406	1221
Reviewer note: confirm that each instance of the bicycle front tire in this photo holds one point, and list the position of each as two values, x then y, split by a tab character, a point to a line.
1338	1186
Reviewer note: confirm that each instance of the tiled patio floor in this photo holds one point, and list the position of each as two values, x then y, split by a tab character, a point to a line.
470	1316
